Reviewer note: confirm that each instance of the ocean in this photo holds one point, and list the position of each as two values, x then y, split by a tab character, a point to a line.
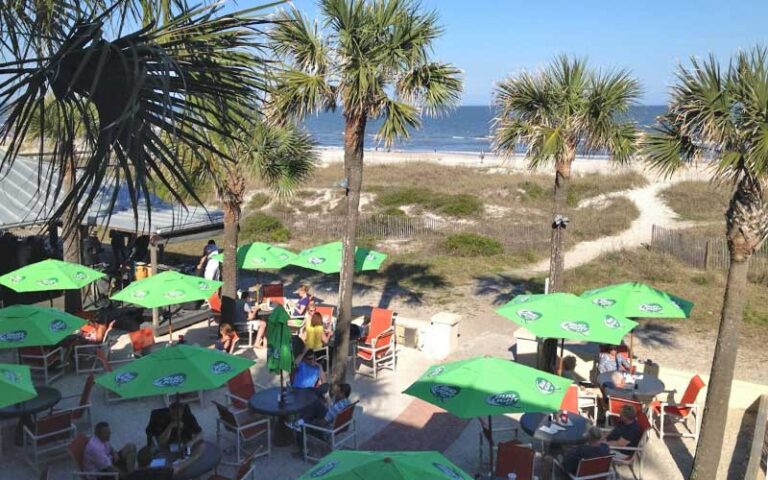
465	129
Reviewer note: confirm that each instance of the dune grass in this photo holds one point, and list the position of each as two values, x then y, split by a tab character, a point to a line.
698	201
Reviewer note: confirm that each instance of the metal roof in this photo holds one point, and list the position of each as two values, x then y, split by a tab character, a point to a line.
23	203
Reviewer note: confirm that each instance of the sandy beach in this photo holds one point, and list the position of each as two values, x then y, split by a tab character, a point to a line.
495	163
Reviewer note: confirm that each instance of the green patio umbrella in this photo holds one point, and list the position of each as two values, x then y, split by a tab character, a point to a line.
566	316
260	256
34	326
487	386
166	289
50	275
638	300
172	370
15	384
327	258
349	465
279	351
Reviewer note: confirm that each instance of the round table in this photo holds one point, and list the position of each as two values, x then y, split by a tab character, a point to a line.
295	400
210	457
46	398
644	390
572	435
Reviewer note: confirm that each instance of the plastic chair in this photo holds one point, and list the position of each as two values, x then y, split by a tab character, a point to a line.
244	470
592	469
43	362
575	401
514	457
340	433
81	403
382	319
245	427
682	411
241	388
141	339
85	357
492	438
214	303
48	438
615	404
77	451
381	353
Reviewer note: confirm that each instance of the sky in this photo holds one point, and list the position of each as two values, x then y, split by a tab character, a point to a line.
492	39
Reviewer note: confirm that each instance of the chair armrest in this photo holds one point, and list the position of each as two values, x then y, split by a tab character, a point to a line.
254	424
679	405
232	396
309	426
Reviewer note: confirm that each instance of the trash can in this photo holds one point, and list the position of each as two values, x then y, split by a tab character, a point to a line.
443	338
651	369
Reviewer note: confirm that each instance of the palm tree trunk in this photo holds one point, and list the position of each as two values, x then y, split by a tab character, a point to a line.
71	237
557	245
747	229
354	138
232	210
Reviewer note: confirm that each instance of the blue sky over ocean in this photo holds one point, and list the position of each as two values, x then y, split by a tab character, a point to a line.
490	39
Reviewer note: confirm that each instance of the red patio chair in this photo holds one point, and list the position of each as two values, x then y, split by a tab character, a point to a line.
48	438
244	470
575	401
615	405
273	292
492	438
512	457
682	411
44	362
241	388
592	469
85	358
382	319
340	433
80	403
141	339
381	353
637	453
246	427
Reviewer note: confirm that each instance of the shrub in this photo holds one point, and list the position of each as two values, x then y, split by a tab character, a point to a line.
462	205
472	245
264	228
258	200
533	191
392	212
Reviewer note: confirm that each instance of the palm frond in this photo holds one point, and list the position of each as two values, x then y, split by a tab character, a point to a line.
295	39
436	86
399	118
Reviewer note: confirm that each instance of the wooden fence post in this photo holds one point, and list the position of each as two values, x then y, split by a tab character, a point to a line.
706	255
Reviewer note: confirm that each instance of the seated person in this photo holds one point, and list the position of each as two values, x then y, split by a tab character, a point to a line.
612	360
99	456
163	423
309	374
627	433
145	472
227	338
594	448
258	325
569	368
92	333
322	414
315	334
299	309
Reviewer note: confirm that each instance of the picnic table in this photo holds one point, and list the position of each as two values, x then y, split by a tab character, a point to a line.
640	387
295	400
573	434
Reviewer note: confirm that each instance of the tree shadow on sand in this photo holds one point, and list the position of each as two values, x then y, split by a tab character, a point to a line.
504	287
406	282
655	334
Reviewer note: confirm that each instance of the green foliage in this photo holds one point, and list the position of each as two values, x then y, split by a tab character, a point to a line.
392	212
533	191
461	205
258	201
472	245
698	201
263	228
700	279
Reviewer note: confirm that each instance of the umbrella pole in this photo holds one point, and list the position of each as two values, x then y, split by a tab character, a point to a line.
178	423
560	362
490	449
170	325
631	349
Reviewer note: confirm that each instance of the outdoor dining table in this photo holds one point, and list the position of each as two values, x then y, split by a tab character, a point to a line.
644	388
295	400
209	457
531	424
47	397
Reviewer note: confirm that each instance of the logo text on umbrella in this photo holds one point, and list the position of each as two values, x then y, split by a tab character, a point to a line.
528	315
13	337
324	469
220	367
582	328
444	392
651	308
170	381
506	399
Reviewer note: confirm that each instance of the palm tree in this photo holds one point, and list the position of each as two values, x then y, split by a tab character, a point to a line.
374	62
282	157
554	113
138	94
720	116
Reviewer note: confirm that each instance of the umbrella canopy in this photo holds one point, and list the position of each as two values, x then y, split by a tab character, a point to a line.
33	326
348	465
176	369
50	275
489	386
564	315
15	384
260	256
638	300
279	352
327	258
167	288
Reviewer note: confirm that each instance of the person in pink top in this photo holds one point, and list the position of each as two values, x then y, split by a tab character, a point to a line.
99	456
